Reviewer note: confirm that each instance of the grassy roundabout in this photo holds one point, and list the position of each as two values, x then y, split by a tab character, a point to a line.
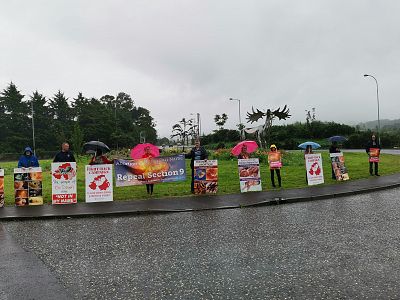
293	176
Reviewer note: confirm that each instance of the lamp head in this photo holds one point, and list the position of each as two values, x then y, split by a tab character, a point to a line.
366	75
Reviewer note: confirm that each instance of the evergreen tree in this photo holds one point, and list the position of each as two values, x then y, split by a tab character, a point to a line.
62	117
15	127
77	138
43	121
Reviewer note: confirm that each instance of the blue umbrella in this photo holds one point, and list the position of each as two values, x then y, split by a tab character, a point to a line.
312	144
337	138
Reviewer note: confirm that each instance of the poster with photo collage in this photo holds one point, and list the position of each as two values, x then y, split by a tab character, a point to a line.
205	176
28	186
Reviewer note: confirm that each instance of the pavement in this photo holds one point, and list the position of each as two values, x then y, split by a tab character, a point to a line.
203	202
338	248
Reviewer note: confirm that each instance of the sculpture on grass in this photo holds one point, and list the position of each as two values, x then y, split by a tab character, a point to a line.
263	132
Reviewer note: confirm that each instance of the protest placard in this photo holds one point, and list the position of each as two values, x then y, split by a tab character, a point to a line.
63	176
28	186
99	183
205	176
315	174
249	175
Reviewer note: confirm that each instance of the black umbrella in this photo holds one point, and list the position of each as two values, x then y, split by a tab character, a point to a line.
92	146
337	138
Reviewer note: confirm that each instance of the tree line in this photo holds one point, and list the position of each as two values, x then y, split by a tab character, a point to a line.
114	120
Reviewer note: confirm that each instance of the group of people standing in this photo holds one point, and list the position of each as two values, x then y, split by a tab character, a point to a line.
198	152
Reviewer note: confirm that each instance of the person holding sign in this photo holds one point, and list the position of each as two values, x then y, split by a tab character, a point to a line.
28	160
334	148
149	155
275	164
197	153
307	151
100	159
243	153
65	155
373	150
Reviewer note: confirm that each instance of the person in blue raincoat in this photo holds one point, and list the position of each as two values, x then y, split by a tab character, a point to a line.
28	160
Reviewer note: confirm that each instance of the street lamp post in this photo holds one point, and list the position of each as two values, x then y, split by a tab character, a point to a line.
377	99
33	131
240	119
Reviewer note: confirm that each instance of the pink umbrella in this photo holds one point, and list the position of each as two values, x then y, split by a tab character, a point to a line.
251	147
138	151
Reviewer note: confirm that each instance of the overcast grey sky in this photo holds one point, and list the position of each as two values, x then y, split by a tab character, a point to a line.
181	57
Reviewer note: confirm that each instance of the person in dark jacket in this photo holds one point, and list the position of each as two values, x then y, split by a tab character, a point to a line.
65	155
28	160
99	158
334	148
197	153
373	143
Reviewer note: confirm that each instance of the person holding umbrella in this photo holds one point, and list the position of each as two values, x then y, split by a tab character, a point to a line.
196	153
149	151
99	158
149	155
334	148
308	146
98	149
243	149
243	153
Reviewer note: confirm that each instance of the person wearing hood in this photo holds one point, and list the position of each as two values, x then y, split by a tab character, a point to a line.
28	160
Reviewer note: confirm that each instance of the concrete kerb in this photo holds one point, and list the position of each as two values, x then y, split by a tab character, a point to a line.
201	202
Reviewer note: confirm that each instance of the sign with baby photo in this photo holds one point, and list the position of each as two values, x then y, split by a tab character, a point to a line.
63	178
315	174
205	176
249	175
99	183
338	166
28	186
1	187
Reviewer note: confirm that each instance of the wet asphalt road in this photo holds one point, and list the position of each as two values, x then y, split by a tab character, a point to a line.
345	248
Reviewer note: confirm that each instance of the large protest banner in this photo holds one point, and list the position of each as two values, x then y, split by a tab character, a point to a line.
149	170
99	183
338	166
249	175
63	176
1	187
315	174
374	154
205	176
28	186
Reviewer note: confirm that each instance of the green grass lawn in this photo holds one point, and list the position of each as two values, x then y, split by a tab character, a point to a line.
293	176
